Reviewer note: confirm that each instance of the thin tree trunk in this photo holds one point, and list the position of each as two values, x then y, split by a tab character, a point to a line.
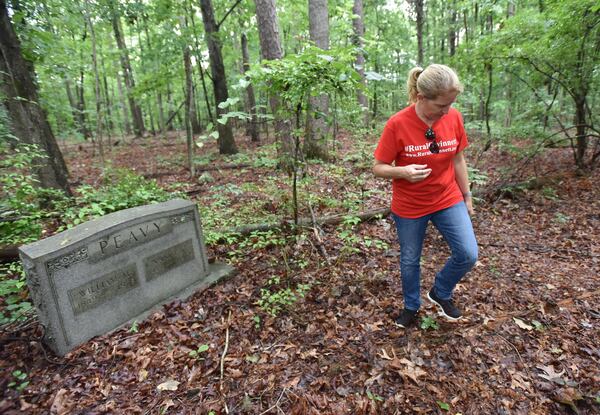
359	32
126	122
136	112
96	89
466	26
201	71
488	99
77	119
252	124
318	107
27	118
271	49
510	12
489	71
80	92
419	14
580	123
161	115
188	103
149	111
196	127
107	113
226	141
452	29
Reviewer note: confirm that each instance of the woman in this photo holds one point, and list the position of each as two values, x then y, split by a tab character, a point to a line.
421	150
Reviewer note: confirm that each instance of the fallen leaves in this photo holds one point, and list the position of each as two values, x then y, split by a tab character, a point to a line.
522	324
60	403
336	351
169	385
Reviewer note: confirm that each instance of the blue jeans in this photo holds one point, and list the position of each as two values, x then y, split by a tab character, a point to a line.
455	226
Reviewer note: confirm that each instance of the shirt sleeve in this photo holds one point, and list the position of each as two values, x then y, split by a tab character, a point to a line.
387	148
461	134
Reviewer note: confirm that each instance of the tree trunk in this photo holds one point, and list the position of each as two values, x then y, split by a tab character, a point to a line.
488	100
508	91
252	125
226	141
318	107
136	112
28	120
419	15
270	47
126	122
196	127
580	123
187	64
79	92
149	110
161	114
96	90
466	26
452	30
359	32
78	120
200	70
489	71
107	103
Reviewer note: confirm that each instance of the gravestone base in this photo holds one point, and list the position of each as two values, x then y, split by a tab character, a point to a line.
217	272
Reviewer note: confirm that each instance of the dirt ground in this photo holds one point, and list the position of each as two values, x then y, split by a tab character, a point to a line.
529	342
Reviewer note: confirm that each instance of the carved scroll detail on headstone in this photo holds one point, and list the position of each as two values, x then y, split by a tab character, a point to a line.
33	281
67	260
186	217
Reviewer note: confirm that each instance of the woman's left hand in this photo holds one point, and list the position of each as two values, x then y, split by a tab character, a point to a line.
469	203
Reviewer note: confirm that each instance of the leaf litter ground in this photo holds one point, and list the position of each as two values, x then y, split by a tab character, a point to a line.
528	344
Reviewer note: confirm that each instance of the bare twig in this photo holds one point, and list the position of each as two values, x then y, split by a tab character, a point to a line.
524	365
326	220
276	403
222	366
316	228
225	347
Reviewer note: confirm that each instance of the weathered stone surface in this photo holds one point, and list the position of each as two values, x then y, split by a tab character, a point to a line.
93	278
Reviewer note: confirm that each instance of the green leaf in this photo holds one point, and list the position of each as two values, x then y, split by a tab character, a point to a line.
328	58
229	102
443	405
429	323
374	76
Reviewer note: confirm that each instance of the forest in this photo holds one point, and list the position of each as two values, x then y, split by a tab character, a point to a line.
266	114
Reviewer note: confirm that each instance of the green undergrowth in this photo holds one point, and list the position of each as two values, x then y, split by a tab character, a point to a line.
120	189
29	212
14	303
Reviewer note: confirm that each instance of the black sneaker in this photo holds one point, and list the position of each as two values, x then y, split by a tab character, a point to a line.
449	310
406	318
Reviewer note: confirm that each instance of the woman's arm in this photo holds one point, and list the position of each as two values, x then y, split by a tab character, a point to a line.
462	179
413	172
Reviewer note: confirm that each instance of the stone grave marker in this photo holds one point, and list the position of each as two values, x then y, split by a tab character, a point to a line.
101	274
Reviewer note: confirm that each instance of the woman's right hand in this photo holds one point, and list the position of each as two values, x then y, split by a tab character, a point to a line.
415	172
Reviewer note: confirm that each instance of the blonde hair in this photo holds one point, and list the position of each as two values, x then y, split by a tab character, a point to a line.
431	82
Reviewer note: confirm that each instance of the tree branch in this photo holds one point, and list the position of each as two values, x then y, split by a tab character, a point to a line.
228	13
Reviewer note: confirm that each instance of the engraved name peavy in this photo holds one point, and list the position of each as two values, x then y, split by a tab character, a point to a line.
128	238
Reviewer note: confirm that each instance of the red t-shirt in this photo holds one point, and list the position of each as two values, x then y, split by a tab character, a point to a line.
403	142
